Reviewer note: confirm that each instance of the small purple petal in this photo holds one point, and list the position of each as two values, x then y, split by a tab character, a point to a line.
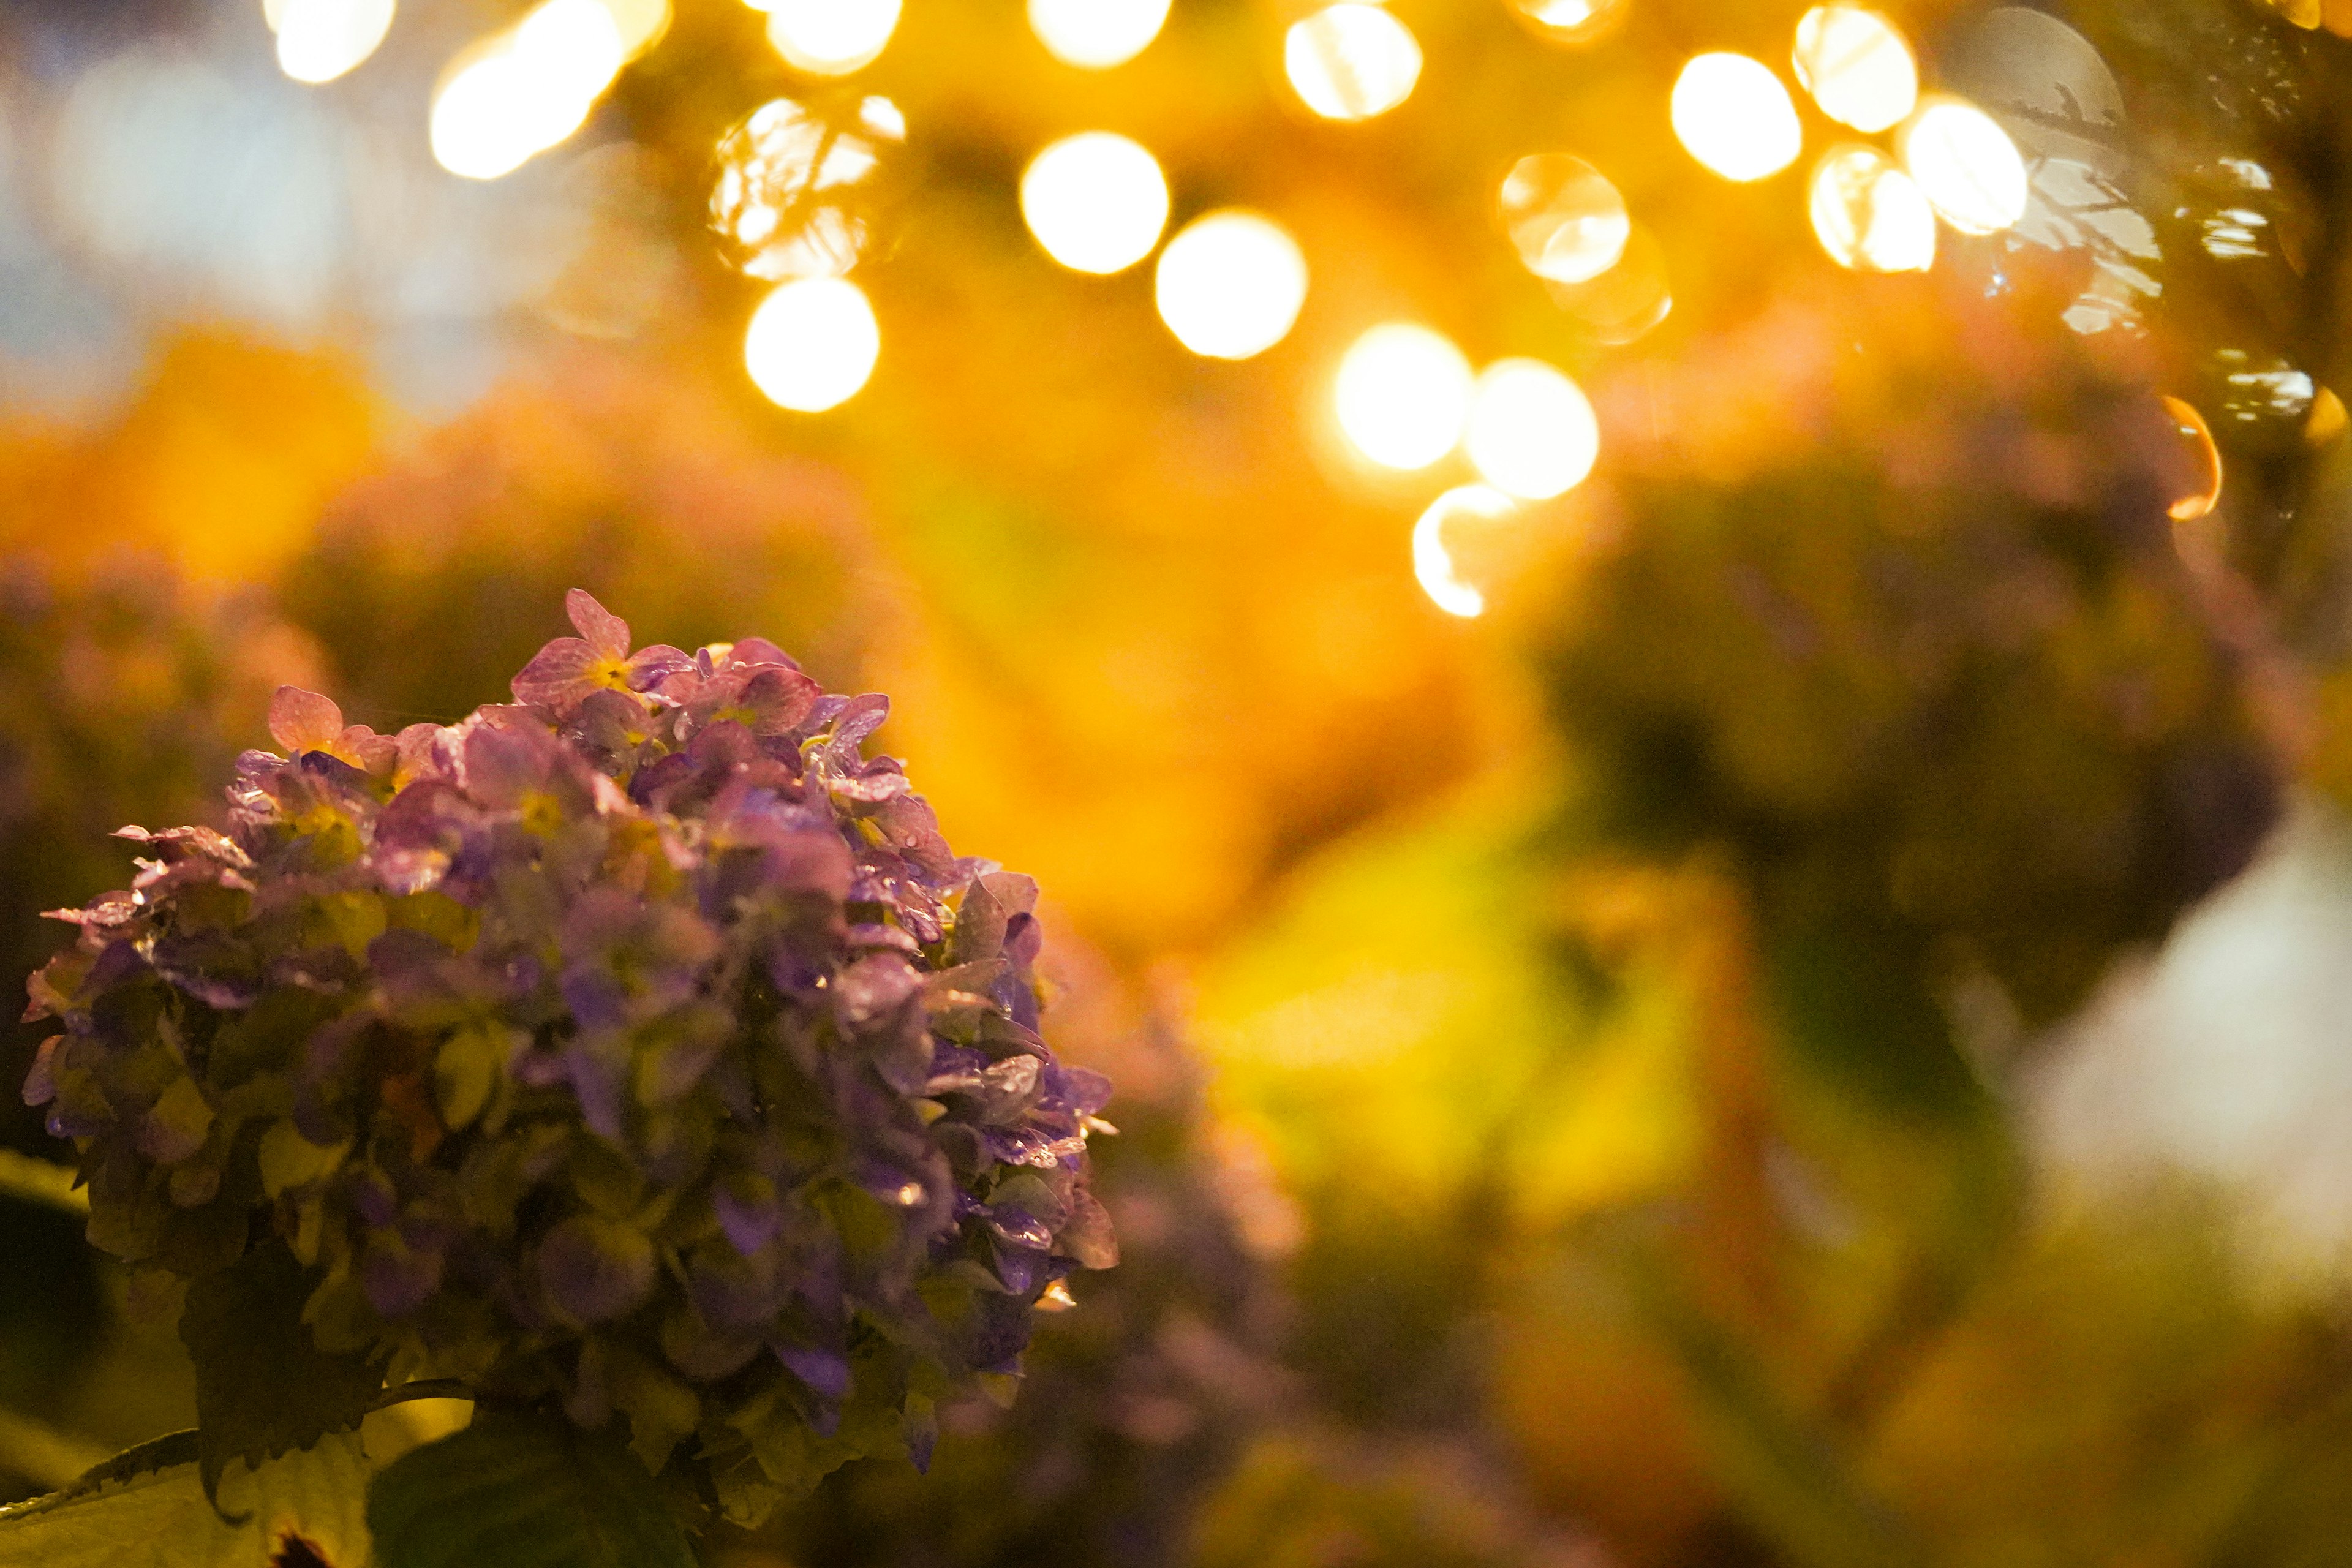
596	1269
602	630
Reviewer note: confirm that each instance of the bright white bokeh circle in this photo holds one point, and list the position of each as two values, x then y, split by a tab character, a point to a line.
1857	65
1968	166
1352	62
1230	284
1096	201
1402	394
831	37
1732	114
812	343
1095	34
1531	432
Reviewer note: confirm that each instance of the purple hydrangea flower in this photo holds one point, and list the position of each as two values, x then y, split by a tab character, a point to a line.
638	1048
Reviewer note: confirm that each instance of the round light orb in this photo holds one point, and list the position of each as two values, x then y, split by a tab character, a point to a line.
1352	62
571	51
1626	302
1402	394
1230	284
1966	163
1731	113
1857	66
831	37
1869	214
1531	433
319	40
1095	34
812	343
1568	223
1455	520
486	115
1096	201
782	202
1570	21
518	93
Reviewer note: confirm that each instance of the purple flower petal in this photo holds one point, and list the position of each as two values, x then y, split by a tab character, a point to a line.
603	631
596	1269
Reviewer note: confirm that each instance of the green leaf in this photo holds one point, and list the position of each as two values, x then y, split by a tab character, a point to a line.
155	1514
290	1159
263	1385
522	1491
464	1070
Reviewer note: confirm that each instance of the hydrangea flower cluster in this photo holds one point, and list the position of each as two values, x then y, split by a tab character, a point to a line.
639	1046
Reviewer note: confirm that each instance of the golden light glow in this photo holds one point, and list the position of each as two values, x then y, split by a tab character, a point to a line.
831	37
1731	113
774	171
1096	35
1967	165
518	93
1531	433
319	40
1871	215
1352	62
2204	492
1570	21
1437	538
1627	301
2328	419
1857	66
641	23
1567	221
1402	394
1096	201
812	343
1230	284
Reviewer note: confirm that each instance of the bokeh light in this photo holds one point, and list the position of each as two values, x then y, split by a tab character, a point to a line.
481	126
812	343
1570	21
1402	395
780	173
831	37
2204	492
1230	284
1967	165
1567	221
1096	201
1624	303
319	40
1531	430
1352	62
1857	66
1438	539
1095	34
518	93
1869	214
641	23
1732	114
